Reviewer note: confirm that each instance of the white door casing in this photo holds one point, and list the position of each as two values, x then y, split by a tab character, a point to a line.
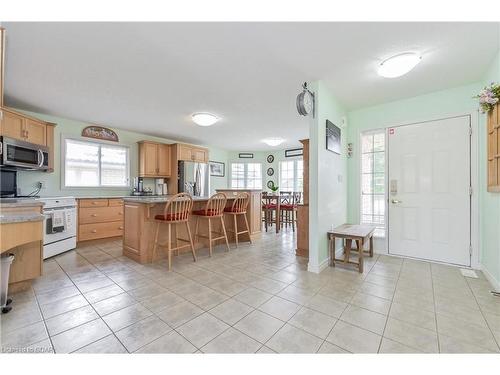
429	179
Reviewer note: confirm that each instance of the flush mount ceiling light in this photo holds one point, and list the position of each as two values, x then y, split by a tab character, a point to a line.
204	119
399	65
273	141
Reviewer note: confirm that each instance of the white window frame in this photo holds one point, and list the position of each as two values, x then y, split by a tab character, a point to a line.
107	143
381	231
245	174
295	174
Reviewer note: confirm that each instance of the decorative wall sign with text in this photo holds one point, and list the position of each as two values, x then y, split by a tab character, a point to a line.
245	155
294	152
99	132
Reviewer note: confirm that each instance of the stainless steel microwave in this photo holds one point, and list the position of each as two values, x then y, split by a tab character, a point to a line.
16	154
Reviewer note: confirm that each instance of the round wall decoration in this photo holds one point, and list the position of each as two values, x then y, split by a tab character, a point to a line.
270	171
270	158
270	184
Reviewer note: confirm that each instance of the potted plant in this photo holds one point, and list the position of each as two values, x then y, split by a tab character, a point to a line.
488	97
274	188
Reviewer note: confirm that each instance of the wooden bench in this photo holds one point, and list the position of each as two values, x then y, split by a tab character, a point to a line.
351	232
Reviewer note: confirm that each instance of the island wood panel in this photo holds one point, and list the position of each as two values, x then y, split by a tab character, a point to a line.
303	209
139	229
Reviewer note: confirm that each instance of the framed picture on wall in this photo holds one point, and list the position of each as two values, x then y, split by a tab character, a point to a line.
217	169
333	137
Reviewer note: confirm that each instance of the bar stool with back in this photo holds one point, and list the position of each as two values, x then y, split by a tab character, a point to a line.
177	211
214	209
239	207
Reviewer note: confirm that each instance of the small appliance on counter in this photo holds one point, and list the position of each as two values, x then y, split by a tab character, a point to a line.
139	187
160	187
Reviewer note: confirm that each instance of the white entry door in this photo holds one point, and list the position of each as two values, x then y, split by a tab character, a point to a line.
429	190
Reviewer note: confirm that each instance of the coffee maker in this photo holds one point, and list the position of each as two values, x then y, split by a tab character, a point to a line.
160	187
139	187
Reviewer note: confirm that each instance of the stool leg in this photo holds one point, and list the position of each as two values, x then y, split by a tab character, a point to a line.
235	230
155	244
196	227
191	240
293	219
224	230
248	227
210	236
169	247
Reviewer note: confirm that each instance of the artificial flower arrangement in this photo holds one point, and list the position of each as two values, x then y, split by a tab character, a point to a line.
488	97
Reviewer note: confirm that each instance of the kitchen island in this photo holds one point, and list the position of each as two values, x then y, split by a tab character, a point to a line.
139	213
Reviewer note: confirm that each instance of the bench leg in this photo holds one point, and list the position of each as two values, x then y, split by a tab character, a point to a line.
347	250
359	245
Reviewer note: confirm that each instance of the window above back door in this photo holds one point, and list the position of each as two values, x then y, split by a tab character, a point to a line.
95	164
373	195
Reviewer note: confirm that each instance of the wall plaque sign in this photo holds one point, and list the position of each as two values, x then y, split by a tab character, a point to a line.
99	132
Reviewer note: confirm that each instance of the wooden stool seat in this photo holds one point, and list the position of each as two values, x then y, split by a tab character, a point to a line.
177	211
351	232
214	209
239	207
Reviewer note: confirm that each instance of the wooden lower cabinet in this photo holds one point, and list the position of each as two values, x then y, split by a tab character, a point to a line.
302	231
100	218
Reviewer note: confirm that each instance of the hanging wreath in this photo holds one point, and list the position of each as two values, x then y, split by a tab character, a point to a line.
488	97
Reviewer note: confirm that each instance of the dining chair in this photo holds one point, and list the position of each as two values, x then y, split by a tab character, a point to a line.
214	210
176	211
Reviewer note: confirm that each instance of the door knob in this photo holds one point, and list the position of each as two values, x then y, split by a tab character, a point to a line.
395	201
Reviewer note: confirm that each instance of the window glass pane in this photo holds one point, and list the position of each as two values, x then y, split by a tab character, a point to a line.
378	162
379	142
81	164
114	171
367	204
379	183
367	163
378	205
367	184
367	143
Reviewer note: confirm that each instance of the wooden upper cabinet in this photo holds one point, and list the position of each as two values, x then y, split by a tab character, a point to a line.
154	159
493	144
15	125
35	132
11	125
192	153
163	160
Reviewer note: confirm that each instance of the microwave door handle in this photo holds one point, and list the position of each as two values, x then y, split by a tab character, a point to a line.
41	158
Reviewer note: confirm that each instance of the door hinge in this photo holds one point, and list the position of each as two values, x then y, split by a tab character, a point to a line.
470	190
470	250
470	130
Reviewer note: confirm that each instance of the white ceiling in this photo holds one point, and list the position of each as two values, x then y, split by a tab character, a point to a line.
150	77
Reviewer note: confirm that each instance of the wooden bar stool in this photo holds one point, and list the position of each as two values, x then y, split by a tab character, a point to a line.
289	209
269	208
239	207
214	209
177	211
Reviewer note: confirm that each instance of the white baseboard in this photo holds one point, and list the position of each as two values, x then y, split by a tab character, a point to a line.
317	268
494	282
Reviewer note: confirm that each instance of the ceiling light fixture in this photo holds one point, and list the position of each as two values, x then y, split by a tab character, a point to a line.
273	141
204	119
399	65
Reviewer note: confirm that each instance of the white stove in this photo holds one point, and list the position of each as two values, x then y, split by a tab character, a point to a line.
59	226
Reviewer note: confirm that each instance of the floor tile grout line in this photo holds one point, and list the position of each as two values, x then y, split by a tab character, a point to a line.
435	310
100	317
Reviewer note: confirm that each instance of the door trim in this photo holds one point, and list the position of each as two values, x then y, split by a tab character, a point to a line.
474	170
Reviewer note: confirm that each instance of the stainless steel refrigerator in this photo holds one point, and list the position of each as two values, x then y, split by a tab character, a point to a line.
194	178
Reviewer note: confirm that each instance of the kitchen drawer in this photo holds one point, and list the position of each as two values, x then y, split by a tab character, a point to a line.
116	202
100	230
89	215
99	202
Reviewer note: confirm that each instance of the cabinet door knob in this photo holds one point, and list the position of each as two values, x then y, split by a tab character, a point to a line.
94	215
94	230
121	228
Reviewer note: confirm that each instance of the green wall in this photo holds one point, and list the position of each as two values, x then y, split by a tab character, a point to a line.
327	177
27	180
489	202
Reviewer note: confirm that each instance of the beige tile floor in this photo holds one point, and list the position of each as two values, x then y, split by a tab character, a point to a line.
258	299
